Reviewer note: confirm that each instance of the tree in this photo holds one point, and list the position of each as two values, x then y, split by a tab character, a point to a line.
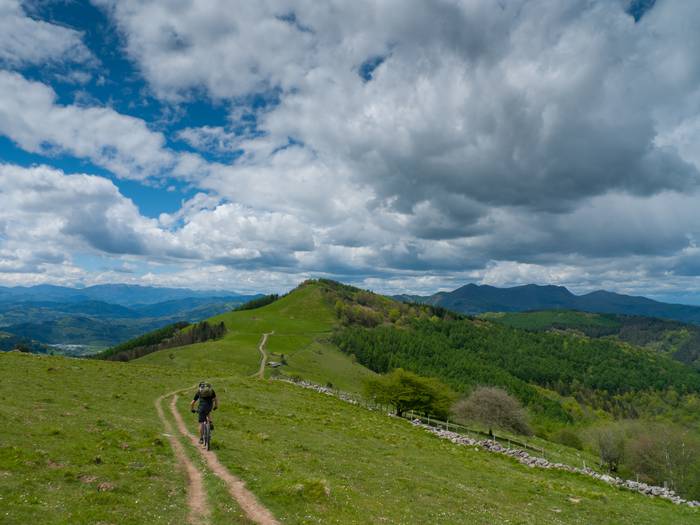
495	408
611	447
408	391
664	453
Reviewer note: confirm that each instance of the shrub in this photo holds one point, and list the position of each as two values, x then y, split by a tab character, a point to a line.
568	437
610	442
495	408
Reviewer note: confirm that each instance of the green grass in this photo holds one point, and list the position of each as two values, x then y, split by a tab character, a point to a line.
310	458
301	323
67	421
314	459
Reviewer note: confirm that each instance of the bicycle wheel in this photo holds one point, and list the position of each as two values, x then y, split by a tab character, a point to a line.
207	436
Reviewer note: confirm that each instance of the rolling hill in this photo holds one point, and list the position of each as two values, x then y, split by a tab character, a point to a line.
476	299
121	294
100	453
81	321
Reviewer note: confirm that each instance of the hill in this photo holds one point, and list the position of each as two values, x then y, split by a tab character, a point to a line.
677	340
80	321
307	457
121	294
476	299
97	441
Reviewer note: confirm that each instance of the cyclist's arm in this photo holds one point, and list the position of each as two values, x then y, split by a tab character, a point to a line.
215	401
196	397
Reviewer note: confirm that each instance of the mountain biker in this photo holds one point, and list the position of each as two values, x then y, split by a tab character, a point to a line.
207	402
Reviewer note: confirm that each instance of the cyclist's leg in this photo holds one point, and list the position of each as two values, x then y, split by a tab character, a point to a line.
202	419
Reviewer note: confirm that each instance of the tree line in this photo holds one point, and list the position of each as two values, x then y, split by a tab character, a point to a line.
171	336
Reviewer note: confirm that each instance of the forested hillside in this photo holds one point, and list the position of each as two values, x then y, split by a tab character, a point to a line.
634	406
678	340
598	373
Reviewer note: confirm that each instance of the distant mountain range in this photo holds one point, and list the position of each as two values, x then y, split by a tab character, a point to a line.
476	299
87	319
121	294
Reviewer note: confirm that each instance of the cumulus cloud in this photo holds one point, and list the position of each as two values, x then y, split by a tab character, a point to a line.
497	141
24	40
49	218
31	117
210	138
42	208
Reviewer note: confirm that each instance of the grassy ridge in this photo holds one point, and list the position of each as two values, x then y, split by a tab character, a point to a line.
302	323
309	457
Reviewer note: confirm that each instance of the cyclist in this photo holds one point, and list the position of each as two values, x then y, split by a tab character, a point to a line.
207	402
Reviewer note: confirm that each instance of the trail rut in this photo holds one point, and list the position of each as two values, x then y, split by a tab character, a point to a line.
199	510
253	509
263	355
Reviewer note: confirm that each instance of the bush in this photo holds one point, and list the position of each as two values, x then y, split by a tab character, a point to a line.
408	391
569	438
494	408
254	304
610	442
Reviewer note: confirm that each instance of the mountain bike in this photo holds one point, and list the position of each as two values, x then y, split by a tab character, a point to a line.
206	435
206	432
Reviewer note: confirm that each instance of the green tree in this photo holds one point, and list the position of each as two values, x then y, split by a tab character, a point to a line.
610	441
408	391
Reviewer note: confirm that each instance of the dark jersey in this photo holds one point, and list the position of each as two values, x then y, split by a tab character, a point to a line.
205	403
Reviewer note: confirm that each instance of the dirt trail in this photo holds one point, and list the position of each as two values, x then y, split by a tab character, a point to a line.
199	510
263	355
236	487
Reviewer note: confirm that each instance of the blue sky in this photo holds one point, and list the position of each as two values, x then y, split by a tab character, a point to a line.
403	150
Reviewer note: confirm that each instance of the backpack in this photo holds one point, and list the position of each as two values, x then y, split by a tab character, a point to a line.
206	391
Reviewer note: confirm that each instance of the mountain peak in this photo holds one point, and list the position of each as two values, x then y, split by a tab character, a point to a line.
475	299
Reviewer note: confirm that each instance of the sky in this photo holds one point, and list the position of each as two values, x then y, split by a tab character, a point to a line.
398	145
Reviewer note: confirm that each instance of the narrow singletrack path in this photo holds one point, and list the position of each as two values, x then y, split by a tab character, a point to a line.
253	509
263	355
199	510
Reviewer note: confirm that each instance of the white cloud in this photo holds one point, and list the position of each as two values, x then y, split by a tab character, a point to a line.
49	219
31	117
42	210
24	40
535	104
210	138
512	141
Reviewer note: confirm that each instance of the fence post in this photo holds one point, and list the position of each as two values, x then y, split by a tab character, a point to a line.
428	420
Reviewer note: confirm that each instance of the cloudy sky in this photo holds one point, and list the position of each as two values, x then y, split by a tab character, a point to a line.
401	145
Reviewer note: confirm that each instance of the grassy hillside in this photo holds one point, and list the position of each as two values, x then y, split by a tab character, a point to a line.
82	443
302	323
309	458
